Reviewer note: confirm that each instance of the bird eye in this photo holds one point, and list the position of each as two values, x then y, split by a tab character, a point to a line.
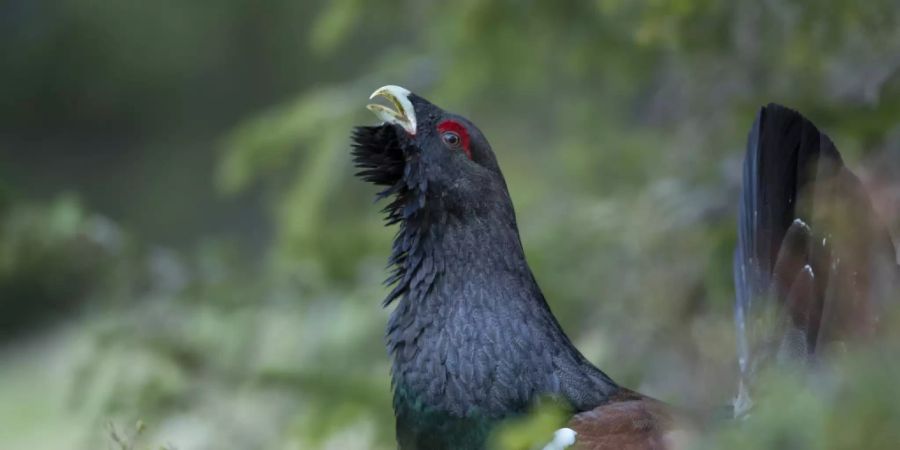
450	138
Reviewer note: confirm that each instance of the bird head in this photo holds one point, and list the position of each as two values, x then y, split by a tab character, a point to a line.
422	148
441	175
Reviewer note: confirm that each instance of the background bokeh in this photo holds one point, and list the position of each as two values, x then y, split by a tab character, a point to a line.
187	261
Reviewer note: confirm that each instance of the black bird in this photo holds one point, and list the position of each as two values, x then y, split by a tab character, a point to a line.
472	339
814	266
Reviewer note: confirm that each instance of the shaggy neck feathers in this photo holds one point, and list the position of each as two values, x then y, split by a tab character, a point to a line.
472	339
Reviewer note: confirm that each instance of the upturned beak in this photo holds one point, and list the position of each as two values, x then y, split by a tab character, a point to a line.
404	115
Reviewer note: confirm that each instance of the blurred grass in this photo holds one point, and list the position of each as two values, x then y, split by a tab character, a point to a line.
619	127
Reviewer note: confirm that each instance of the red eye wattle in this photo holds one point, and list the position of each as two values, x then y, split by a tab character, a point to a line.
455	136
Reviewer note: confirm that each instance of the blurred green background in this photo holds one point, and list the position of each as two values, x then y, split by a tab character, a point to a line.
183	244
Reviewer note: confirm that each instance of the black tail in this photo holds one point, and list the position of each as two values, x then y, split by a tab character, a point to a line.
813	265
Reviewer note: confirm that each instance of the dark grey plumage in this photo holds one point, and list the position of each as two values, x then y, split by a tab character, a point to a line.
473	341
472	338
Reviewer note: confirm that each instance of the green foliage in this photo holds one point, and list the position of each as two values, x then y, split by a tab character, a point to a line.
533	430
851	403
129	441
51	258
334	24
619	126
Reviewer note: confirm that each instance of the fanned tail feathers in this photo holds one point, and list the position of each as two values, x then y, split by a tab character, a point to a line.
813	264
